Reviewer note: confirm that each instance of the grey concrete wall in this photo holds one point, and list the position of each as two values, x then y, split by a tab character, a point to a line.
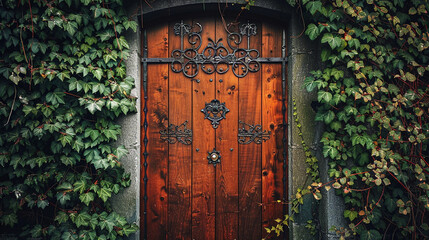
331	206
303	57
127	202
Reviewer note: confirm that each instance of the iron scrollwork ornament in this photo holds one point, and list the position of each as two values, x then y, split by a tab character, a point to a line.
175	134
214	157
215	57
215	112
252	133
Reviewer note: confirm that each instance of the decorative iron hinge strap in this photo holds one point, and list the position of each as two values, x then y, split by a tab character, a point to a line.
252	133
175	134
218	56
261	60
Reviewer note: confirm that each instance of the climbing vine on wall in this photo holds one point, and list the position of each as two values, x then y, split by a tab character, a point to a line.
63	84
373	95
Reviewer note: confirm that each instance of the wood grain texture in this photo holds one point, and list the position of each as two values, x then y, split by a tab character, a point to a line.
187	197
180	155
250	154
226	139
203	174
158	150
272	162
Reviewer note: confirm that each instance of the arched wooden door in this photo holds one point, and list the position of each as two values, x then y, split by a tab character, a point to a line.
213	142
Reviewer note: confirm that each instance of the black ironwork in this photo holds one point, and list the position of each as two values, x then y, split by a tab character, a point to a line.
145	138
175	134
215	112
215	57
252	133
260	60
214	157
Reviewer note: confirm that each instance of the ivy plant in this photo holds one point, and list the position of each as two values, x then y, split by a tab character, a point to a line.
373	95
62	85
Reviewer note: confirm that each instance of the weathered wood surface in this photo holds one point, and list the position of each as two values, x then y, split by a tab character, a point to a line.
180	155
203	174
226	139
157	87
187	197
250	182
272	161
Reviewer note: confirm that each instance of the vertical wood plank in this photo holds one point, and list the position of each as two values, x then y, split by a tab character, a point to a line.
203	174
180	155
226	139
157	88
250	154
272	161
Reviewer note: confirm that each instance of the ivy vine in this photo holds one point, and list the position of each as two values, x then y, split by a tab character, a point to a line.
373	95
63	84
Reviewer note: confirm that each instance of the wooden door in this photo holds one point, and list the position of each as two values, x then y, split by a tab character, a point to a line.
213	141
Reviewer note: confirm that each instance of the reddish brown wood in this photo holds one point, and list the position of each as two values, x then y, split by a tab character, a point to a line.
250	154
226	139
187	197
272	162
158	150
180	155
203	174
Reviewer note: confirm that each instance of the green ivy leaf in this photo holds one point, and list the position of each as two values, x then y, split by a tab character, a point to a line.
325	54
87	198
104	193
324	96
69	235
61	217
106	35
127	230
63	198
329	117
330	151
82	219
333	42
313	6
9	219
100	163
352	215
93	133
336	125
94	106
410	77
98	73
80	186
122	42
121	151
70	27
107	223
65	186
312	31
370	235
42	204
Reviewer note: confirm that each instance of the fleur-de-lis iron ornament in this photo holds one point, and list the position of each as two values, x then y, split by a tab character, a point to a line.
175	134
215	57
215	112
252	133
